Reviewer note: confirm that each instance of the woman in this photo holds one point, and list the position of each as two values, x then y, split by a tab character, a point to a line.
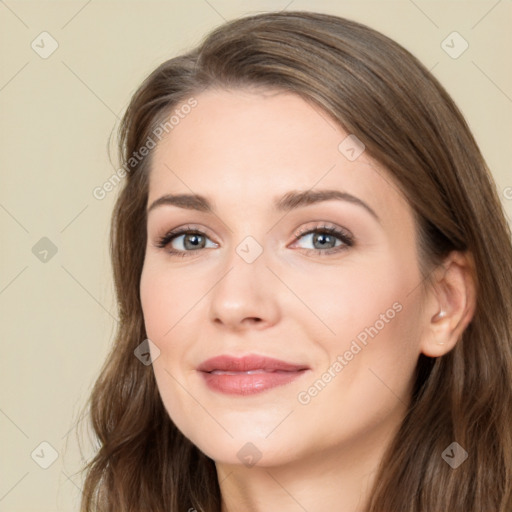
310	251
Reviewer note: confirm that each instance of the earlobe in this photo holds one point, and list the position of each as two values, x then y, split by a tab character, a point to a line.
453	298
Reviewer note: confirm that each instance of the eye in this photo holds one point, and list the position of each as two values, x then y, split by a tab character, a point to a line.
184	240
325	239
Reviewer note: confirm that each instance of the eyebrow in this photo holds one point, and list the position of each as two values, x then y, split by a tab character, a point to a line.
290	201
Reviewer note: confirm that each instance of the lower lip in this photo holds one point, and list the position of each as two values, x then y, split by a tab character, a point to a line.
249	384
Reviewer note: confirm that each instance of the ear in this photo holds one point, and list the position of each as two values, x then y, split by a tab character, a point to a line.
450	304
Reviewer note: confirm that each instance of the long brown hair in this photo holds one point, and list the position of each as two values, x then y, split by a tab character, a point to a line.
378	91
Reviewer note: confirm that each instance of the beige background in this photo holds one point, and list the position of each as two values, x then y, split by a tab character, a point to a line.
58	316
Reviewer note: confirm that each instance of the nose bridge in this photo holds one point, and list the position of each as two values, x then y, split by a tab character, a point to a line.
245	291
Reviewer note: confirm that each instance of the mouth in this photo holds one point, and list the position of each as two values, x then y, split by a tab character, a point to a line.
249	374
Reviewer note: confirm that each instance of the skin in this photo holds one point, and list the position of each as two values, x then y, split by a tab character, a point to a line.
242	149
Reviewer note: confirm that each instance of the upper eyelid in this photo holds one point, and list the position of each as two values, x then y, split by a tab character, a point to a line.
322	226
189	229
301	231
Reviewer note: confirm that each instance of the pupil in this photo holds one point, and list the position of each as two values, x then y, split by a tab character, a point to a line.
323	238
192	240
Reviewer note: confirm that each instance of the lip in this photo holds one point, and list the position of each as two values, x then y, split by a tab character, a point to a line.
248	374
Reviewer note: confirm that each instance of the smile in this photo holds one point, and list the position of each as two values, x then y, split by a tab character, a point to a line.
249	374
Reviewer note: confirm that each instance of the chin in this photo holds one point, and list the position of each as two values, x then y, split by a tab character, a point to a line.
246	449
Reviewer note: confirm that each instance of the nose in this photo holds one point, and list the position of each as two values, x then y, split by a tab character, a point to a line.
245	296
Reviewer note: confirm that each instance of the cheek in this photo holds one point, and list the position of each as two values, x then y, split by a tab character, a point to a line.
375	318
379	342
346	301
166	297
154	308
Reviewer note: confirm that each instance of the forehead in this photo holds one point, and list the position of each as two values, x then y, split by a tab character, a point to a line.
247	120
255	145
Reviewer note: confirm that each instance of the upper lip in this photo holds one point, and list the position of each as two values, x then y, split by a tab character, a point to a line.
248	363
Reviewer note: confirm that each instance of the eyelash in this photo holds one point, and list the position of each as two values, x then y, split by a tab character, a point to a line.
344	236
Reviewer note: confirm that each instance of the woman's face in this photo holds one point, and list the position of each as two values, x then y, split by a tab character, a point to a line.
272	269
